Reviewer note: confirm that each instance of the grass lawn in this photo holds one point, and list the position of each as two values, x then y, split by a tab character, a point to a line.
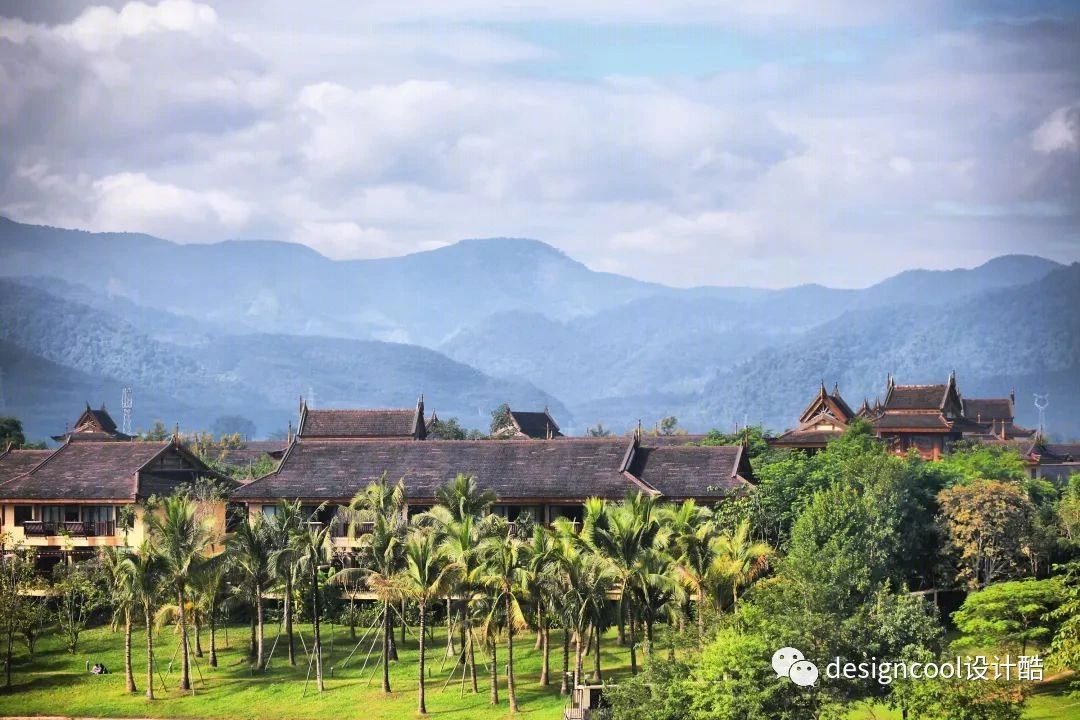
57	683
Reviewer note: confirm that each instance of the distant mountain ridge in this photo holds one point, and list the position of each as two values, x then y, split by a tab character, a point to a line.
249	325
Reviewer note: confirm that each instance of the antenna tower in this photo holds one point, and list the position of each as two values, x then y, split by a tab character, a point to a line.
1041	403
125	404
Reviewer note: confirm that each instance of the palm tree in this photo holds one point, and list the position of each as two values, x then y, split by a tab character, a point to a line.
180	537
250	549
541	588
209	586
122	597
504	573
738	559
425	576
689	528
283	526
588	579
144	570
622	533
311	544
380	510
464	498
460	545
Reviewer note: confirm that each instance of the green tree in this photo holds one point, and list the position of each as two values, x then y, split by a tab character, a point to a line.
1065	646
209	588
463	497
689	530
121	595
738	560
180	537
284	525
426	577
157	432
145	573
500	419
505	560
969	460
78	596
250	548
985	522
16	577
11	433
312	545
1010	613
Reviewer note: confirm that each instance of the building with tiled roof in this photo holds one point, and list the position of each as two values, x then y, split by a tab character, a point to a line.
529	424
547	478
362	424
994	418
15	462
1054	461
76	497
823	420
93	425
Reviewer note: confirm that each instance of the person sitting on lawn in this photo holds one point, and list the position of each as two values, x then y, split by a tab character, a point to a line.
99	669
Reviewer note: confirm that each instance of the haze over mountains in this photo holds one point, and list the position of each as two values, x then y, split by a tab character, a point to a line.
201	331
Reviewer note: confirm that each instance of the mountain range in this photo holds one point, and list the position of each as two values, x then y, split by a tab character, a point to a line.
246	327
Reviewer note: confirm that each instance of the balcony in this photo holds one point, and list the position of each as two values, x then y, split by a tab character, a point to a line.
78	528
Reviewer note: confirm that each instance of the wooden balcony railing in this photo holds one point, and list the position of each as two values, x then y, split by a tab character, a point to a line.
79	528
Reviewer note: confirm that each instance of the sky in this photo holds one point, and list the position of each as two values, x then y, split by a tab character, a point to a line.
684	142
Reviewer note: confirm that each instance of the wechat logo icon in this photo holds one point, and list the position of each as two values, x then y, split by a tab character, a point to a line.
792	664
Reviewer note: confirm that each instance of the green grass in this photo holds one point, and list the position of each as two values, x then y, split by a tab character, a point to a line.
57	683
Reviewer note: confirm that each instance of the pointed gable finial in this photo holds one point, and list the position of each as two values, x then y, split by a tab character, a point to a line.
290	432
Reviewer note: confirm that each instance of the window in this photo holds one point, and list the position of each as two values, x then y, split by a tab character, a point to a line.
23	513
52	513
269	511
71	513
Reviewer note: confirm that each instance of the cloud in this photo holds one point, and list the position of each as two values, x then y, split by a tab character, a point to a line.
1059	132
926	135
344	240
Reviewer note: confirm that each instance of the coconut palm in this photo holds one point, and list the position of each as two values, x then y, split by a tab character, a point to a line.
312	546
426	576
541	587
464	498
689	530
622	533
286	522
250	549
379	513
144	571
588	578
738	559
460	545
122	598
504	574
209	586
180	537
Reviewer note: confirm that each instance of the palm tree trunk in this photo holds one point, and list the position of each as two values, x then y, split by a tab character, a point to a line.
597	675
213	633
701	616
633	650
259	663
129	678
251	642
391	624
579	648
620	612
494	672
197	626
403	628
288	610
149	652
539	625
185	648
563	687
471	653
386	647
422	706
546	651
317	643
648	633
510	655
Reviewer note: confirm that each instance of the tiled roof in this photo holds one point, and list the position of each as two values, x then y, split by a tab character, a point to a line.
811	438
986	410
357	423
694	471
16	462
915	397
538	425
101	471
919	421
568	469
252	451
